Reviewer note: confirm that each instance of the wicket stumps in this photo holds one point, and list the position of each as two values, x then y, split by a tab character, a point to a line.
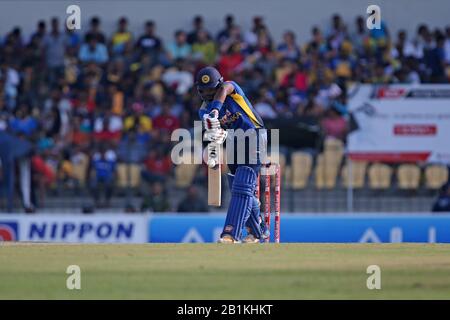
267	200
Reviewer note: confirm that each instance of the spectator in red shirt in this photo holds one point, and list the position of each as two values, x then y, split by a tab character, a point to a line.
82	103
264	44
334	124
107	127
43	170
43	175
297	79
230	62
157	167
166	121
82	130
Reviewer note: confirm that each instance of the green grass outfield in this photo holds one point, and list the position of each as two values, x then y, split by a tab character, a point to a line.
214	271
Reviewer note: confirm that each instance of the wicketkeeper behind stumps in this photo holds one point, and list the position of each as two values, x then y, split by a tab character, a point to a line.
225	106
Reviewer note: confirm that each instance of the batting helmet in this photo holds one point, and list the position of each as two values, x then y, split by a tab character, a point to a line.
208	77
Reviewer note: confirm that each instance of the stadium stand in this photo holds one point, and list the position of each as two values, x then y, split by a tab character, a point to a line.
358	174
380	176
408	176
86	101
301	169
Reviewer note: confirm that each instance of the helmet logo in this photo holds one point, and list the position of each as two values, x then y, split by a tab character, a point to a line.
205	78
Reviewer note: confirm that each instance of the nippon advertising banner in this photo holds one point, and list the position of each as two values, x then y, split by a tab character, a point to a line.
398	123
101	228
312	228
192	228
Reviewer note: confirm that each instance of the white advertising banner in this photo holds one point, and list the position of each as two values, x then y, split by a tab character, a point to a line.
99	228
399	123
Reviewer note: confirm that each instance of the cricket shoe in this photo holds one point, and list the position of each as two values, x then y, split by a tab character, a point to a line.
250	238
228	239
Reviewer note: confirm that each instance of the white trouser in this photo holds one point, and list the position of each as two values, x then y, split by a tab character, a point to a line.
25	181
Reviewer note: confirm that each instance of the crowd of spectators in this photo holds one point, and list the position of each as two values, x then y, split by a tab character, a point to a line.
118	98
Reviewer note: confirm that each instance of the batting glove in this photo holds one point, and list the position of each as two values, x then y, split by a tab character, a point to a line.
211	120
218	136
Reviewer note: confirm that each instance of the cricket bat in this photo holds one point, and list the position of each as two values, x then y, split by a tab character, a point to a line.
214	174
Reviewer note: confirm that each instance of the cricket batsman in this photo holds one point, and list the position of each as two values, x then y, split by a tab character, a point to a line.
225	106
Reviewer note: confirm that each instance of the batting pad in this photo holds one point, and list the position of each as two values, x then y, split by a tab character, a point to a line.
253	221
242	195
